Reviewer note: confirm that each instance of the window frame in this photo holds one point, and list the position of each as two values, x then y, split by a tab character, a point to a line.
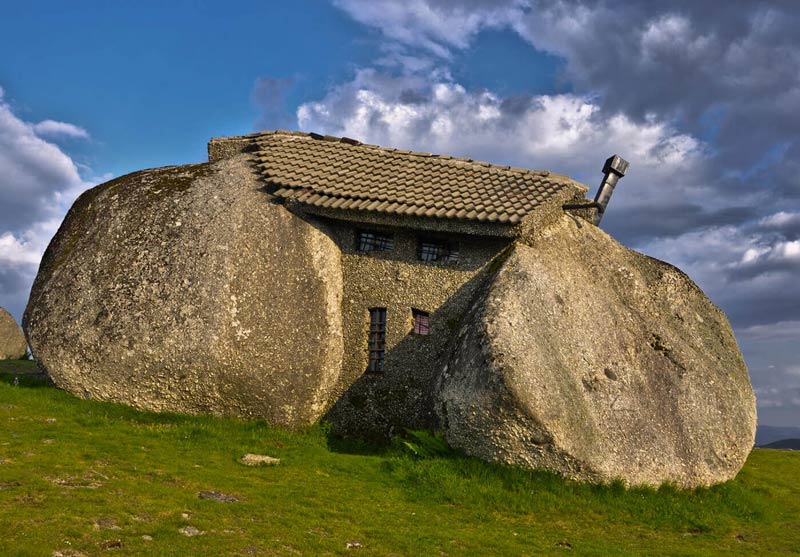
446	250
376	340
378	243
417	326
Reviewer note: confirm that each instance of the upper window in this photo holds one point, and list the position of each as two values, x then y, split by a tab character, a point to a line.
422	322
377	339
437	250
370	240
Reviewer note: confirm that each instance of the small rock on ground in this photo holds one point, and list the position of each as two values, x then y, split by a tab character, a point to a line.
218	496
190	531
259	460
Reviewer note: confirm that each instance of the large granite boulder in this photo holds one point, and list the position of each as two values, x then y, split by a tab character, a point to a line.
12	341
185	289
584	357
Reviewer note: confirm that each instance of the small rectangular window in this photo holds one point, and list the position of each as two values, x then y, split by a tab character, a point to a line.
437	250
422	323
369	240
377	339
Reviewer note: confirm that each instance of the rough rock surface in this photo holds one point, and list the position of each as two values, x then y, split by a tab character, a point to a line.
185	289
592	360
12	342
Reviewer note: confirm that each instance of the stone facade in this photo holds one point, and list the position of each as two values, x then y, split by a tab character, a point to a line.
219	288
376	404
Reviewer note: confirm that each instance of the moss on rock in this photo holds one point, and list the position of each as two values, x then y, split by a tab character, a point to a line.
185	289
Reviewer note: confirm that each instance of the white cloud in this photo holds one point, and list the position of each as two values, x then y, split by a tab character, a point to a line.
433	26
27	248
780	331
564	133
647	82
52	128
38	183
780	219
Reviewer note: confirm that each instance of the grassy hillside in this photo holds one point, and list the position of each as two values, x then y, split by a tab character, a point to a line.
79	477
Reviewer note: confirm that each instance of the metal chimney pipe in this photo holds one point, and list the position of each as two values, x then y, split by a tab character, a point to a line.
614	169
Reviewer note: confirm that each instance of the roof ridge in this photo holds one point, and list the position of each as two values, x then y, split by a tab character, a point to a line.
417	154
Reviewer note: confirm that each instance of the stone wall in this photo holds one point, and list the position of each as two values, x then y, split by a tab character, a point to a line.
220	148
374	404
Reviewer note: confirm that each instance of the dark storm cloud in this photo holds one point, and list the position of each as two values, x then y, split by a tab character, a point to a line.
708	94
726	73
785	223
636	224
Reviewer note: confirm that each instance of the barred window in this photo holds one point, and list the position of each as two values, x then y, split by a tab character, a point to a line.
377	339
422	324
369	240
437	250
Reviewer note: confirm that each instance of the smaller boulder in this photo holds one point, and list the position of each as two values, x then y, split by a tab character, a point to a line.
13	345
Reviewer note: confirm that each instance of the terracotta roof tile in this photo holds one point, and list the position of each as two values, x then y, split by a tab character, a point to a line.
341	173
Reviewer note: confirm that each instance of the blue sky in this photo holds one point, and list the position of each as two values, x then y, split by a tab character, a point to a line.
704	103
153	80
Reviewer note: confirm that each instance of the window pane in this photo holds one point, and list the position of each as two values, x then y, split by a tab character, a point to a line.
369	240
437	250
421	322
376	341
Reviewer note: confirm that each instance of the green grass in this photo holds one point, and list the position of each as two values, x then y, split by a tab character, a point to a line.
86	478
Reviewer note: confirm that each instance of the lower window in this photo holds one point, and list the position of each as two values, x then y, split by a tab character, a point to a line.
377	339
422	322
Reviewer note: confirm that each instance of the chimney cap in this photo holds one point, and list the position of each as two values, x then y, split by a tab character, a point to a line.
617	165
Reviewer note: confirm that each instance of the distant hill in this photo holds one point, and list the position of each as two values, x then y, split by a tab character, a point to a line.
791	444
766	434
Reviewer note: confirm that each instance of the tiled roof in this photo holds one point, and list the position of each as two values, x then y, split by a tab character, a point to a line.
324	171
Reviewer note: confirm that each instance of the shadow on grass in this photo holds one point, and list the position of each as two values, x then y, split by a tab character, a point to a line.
414	443
28	379
354	446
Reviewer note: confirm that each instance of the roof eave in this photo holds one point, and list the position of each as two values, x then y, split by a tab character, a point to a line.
431	224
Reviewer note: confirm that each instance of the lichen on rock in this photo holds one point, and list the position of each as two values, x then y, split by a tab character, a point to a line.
186	289
584	357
